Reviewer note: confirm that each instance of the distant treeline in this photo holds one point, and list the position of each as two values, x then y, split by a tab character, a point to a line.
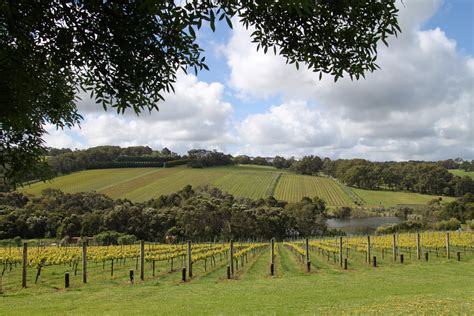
414	176
64	161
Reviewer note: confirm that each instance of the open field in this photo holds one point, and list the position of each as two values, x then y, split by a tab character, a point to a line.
462	173
140	184
388	198
439	286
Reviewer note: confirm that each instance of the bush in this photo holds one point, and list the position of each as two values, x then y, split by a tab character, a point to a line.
65	241
470	224
127	239
451	224
174	163
343	212
107	238
405	226
386	229
17	241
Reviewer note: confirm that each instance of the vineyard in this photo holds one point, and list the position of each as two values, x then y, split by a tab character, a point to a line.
338	260
141	184
293	187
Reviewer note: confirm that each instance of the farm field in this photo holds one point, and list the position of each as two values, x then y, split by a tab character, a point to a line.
388	198
293	187
141	184
462	173
439	286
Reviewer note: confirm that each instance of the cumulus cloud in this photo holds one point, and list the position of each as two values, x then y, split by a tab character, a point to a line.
195	116
418	106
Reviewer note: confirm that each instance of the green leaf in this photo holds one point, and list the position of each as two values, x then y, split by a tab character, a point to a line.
213	21
191	31
229	22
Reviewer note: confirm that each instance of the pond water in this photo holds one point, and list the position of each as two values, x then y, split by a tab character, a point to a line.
357	226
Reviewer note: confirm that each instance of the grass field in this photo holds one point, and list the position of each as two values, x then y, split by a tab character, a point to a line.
416	287
140	184
388	198
462	173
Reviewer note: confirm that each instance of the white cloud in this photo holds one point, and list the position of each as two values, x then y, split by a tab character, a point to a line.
195	116
418	106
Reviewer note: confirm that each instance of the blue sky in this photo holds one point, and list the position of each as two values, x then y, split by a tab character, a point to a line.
418	106
456	18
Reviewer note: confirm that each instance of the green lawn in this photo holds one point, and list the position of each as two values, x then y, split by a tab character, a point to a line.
390	198
416	287
462	173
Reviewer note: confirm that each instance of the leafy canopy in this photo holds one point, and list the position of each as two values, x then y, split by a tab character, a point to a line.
126	54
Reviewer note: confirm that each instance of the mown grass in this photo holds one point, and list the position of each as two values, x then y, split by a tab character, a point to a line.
416	287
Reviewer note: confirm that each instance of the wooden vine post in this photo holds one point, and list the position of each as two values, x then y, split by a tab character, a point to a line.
231	257
368	249
340	251
394	247
66	280
190	260
84	262
142	260
448	252
308	262
418	248
25	265
272	257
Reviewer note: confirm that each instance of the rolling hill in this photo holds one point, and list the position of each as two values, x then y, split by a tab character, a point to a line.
141	184
462	173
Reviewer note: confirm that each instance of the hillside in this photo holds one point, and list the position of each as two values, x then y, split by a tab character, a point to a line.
140	184
462	173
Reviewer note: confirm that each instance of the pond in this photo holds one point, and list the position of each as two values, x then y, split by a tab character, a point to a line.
358	226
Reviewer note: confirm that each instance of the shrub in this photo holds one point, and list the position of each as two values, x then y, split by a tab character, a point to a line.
451	224
17	241
126	239
109	237
405	226
470	224
343	212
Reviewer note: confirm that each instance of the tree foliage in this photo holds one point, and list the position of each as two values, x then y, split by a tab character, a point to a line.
126	55
200	214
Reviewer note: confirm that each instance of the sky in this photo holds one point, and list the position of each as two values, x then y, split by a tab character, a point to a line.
419	106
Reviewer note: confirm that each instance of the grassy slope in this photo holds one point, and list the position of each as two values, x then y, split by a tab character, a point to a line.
436	287
387	198
140	184
462	173
293	187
